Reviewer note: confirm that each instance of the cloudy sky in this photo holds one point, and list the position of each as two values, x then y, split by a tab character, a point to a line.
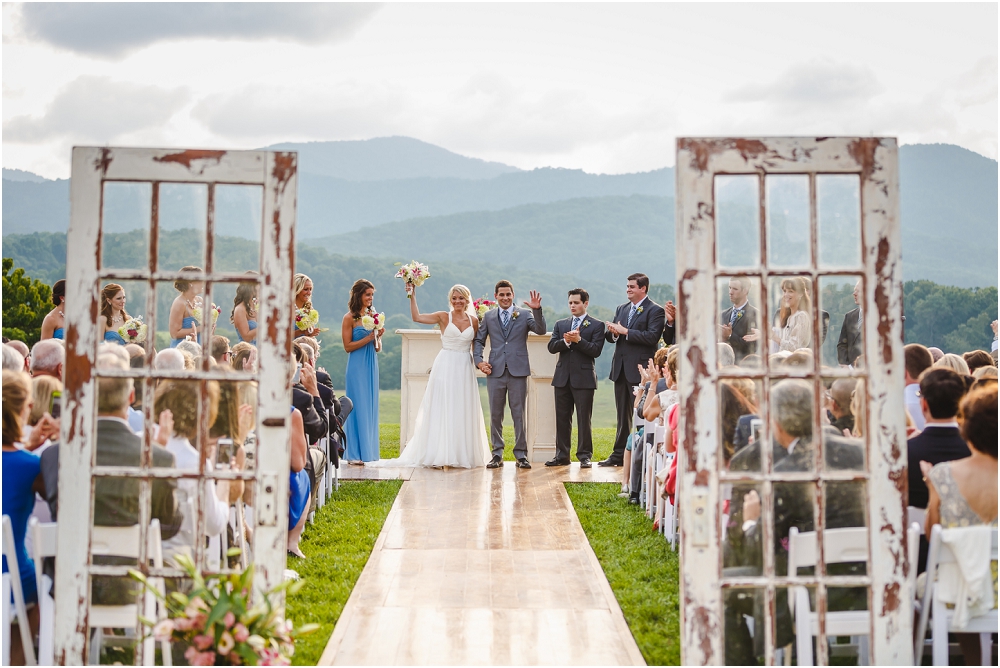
605	88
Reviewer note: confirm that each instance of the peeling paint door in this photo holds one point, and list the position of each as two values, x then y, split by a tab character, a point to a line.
150	224
792	514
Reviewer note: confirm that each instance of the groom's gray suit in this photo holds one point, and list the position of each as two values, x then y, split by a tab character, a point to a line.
509	372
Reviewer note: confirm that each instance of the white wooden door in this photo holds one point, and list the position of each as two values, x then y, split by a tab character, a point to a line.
137	217
788	227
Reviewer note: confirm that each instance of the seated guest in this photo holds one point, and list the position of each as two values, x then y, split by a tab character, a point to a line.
936	353
13	360
987	372
953	362
136	419
298	485
963	492
181	398
976	359
306	398
850	345
116	500
244	357
169	359
751	362
22	348
916	359
342	406
134	350
735	413
47	358
839	404
220	349
726	355
233	421
941	392
191	352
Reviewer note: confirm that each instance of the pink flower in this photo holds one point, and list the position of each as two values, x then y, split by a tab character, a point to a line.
226	643
229	620
203	641
196	658
183	624
241	633
163	630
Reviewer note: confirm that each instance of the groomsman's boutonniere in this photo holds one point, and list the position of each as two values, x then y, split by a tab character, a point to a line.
739	314
586	323
638	310
516	313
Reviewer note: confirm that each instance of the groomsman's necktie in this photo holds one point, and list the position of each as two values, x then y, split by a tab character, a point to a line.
861	317
576	323
734	316
504	319
631	314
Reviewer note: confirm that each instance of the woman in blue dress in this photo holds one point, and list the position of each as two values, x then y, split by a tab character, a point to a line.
54	323
182	322
113	313
361	377
244	314
302	288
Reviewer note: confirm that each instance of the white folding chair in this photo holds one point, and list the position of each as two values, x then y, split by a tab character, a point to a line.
124	542
12	585
942	617
43	545
840	546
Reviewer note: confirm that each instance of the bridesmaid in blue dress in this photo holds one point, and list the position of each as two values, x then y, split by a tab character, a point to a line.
182	323
302	288
113	313
244	314
361	377
54	323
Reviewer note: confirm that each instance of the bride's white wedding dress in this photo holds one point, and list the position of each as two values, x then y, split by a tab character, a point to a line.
450	430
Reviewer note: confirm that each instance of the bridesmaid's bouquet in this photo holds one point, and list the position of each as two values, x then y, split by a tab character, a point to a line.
413	274
373	320
306	318
197	314
133	331
483	306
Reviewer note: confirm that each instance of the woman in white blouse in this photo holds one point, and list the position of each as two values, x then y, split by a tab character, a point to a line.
793	327
181	399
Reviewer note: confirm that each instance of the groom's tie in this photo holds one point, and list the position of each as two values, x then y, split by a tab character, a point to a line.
631	314
504	320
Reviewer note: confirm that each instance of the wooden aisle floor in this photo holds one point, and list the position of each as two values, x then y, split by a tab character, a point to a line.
483	567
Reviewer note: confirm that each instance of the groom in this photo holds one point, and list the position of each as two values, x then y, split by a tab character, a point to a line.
507	371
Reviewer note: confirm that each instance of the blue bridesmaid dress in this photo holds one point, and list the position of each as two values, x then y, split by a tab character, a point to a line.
189	321
57	333
362	389
252	325
114	337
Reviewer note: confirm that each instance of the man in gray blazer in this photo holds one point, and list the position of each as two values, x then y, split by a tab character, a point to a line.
507	372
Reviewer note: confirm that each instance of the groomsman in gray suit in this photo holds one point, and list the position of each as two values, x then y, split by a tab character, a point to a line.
507	372
578	340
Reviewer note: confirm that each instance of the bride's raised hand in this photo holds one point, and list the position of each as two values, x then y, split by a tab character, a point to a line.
410	289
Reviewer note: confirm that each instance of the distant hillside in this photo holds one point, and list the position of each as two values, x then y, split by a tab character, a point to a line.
388	158
21	175
602	239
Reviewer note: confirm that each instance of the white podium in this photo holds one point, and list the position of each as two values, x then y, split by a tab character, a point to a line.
421	346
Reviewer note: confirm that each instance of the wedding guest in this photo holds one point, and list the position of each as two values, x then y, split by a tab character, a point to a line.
851	343
734	412
54	324
302	288
47	358
307	400
134	350
726	356
244	357
953	362
182	399
793	328
916	359
838	404
169	359
738	320
13	360
182	323
244	314
191	352
44	390
963	492
299	491
220	349
22	348
233	421
361	376
659	380
136	419
751	362
636	330
936	353
976	359
113	313
985	372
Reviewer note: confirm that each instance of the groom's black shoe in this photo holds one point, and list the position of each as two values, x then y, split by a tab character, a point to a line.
585	463
495	463
557	462
610	462
523	463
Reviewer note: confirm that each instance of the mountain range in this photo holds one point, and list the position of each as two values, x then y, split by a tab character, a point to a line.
397	196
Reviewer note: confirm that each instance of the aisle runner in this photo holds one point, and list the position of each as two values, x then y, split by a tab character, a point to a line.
483	567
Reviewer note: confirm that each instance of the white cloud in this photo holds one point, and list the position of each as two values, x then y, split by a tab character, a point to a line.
97	109
112	30
818	83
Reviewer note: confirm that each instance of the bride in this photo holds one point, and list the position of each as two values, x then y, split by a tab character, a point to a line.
450	430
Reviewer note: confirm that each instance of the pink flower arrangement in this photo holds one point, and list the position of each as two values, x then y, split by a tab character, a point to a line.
222	625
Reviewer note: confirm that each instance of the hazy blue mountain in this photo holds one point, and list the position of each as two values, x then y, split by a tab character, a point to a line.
30	206
387	158
21	175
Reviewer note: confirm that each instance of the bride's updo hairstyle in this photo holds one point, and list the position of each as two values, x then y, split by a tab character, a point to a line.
467	294
357	292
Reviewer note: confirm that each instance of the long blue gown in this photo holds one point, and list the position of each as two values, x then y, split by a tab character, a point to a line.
362	389
252	325
186	324
114	337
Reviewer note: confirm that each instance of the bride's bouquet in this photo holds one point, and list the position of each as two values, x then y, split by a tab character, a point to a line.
133	331
306	318
483	306
413	274
373	320
197	314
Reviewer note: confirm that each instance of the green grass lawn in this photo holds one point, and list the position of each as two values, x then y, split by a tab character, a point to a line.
639	564
337	547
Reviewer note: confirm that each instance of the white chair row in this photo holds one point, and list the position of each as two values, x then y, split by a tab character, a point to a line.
656	459
12	586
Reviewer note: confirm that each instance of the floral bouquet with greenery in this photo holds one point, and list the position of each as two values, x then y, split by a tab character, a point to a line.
373	320
413	274
133	331
197	314
483	306
306	318
219	624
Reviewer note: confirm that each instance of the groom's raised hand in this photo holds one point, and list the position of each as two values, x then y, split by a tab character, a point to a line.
534	301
